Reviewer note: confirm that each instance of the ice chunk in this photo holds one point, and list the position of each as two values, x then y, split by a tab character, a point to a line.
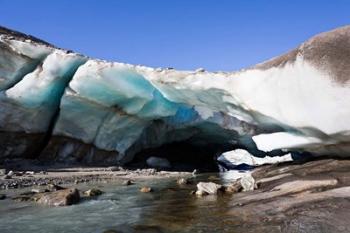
240	156
283	140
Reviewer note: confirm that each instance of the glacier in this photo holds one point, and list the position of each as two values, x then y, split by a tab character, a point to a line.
57	105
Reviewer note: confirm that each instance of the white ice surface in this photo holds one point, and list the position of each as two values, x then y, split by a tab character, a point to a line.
240	156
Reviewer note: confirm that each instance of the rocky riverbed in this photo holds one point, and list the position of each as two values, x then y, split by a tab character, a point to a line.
309	197
26	173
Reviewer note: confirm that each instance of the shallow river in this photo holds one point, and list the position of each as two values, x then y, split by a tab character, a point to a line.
170	208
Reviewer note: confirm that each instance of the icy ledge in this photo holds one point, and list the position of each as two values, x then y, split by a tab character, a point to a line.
59	105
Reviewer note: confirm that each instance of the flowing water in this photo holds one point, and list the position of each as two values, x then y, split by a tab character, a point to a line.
170	208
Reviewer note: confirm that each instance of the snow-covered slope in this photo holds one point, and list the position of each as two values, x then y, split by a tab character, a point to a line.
59	105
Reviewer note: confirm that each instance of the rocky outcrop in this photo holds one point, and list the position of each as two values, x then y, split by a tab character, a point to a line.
57	105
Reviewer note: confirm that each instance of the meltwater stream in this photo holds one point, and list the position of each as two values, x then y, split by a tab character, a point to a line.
170	208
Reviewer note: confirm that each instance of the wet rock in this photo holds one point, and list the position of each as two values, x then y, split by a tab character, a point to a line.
93	192
248	183
182	181
157	162
208	187
234	187
10	173
60	198
146	189
2	196
201	193
127	182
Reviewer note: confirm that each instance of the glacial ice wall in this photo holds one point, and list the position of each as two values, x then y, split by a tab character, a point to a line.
62	106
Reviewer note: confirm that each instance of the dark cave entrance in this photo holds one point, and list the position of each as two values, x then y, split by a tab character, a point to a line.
183	156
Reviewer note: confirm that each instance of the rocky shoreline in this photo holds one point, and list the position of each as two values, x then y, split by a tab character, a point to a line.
310	197
24	174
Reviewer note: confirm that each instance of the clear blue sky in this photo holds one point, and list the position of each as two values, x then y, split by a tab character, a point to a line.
184	34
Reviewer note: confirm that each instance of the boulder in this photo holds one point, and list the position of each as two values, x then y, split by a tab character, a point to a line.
248	182
63	197
208	187
10	173
146	189
93	192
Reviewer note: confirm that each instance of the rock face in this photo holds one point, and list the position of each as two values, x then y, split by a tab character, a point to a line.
57	105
